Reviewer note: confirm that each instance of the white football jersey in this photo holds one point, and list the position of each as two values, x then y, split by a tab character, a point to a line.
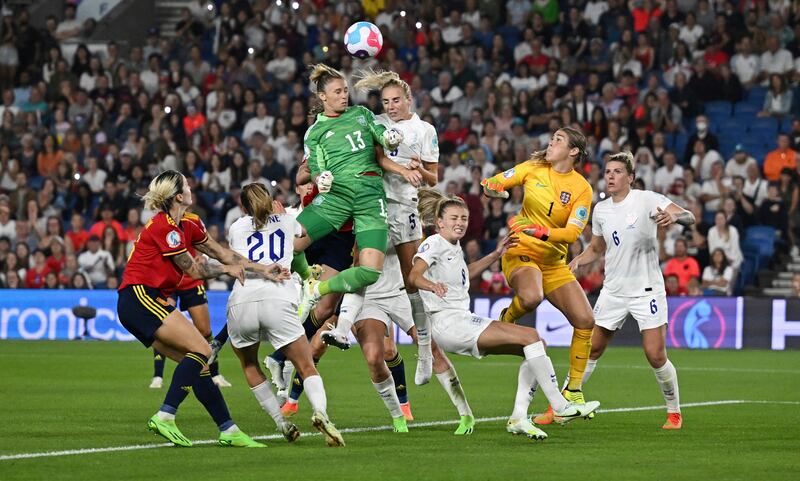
446	265
390	283
629	229
420	140
273	243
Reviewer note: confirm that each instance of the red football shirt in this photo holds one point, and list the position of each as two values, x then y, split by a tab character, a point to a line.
195	232
150	262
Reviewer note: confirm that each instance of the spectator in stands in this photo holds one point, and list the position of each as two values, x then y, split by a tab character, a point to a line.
96	262
739	164
8	226
672	285
703	133
775	60
34	277
778	101
774	212
667	174
745	64
703	160
726	237
716	187
682	266
718	276
780	158
796	284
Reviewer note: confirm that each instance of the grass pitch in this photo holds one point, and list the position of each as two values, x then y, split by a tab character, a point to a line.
741	421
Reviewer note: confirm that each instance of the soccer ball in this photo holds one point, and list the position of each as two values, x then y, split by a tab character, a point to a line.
363	40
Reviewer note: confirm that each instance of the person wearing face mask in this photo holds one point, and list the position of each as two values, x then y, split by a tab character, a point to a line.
703	133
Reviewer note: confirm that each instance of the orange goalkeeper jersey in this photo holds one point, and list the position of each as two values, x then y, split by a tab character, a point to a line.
559	201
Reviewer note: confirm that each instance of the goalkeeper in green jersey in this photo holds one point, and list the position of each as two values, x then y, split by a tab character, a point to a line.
340	149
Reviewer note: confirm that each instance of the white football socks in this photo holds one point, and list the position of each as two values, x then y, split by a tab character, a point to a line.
315	391
668	381
388	393
452	386
545	375
269	403
526	388
350	308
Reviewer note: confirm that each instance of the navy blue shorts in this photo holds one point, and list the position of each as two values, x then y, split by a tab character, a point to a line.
334	250
195	296
141	310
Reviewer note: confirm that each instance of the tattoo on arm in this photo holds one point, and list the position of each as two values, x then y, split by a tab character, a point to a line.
186	263
685	218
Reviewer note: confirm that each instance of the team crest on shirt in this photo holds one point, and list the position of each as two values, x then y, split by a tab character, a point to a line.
362	120
173	239
565	197
631	219
509	173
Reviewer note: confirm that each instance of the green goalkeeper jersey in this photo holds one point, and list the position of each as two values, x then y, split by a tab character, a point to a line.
344	145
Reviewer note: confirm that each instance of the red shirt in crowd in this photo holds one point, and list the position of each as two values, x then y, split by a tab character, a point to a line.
684	269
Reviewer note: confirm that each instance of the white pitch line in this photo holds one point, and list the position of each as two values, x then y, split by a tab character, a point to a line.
679	368
135	447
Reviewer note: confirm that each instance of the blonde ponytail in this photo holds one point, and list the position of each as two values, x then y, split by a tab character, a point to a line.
162	190
432	204
257	203
320	75
379	80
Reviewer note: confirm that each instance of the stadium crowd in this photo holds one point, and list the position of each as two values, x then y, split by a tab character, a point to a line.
226	102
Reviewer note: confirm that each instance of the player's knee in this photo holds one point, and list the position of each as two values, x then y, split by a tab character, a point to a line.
389	352
530	299
656	358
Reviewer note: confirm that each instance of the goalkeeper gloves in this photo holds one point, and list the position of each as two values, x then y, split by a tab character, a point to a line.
519	224
492	188
325	181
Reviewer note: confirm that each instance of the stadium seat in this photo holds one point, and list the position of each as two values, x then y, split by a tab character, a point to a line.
761	233
744	110
764	123
719	109
755	97
747	272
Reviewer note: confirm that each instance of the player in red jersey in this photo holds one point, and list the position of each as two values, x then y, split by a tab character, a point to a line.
156	265
191	296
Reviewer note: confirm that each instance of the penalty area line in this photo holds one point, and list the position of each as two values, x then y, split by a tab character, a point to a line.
136	447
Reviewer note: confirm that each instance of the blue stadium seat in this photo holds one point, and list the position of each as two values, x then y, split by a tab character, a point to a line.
719	109
746	111
771	124
747	273
761	233
755	97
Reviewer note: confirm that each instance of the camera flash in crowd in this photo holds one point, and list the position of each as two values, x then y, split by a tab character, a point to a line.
295	5
251	50
76	176
402	13
167	109
418	25
210	6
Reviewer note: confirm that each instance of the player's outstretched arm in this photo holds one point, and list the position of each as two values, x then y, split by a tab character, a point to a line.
595	251
418	280
213	249
204	270
674	214
476	268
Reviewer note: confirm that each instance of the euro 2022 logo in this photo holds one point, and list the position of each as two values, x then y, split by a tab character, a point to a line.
697	324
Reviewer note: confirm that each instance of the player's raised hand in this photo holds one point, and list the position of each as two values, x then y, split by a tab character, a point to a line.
439	289
492	188
664	218
325	181
506	243
519	224
278	208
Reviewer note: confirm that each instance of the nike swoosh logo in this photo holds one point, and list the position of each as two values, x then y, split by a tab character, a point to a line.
539	184
549	328
329	134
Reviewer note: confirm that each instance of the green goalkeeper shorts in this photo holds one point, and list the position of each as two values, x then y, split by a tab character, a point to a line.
363	200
